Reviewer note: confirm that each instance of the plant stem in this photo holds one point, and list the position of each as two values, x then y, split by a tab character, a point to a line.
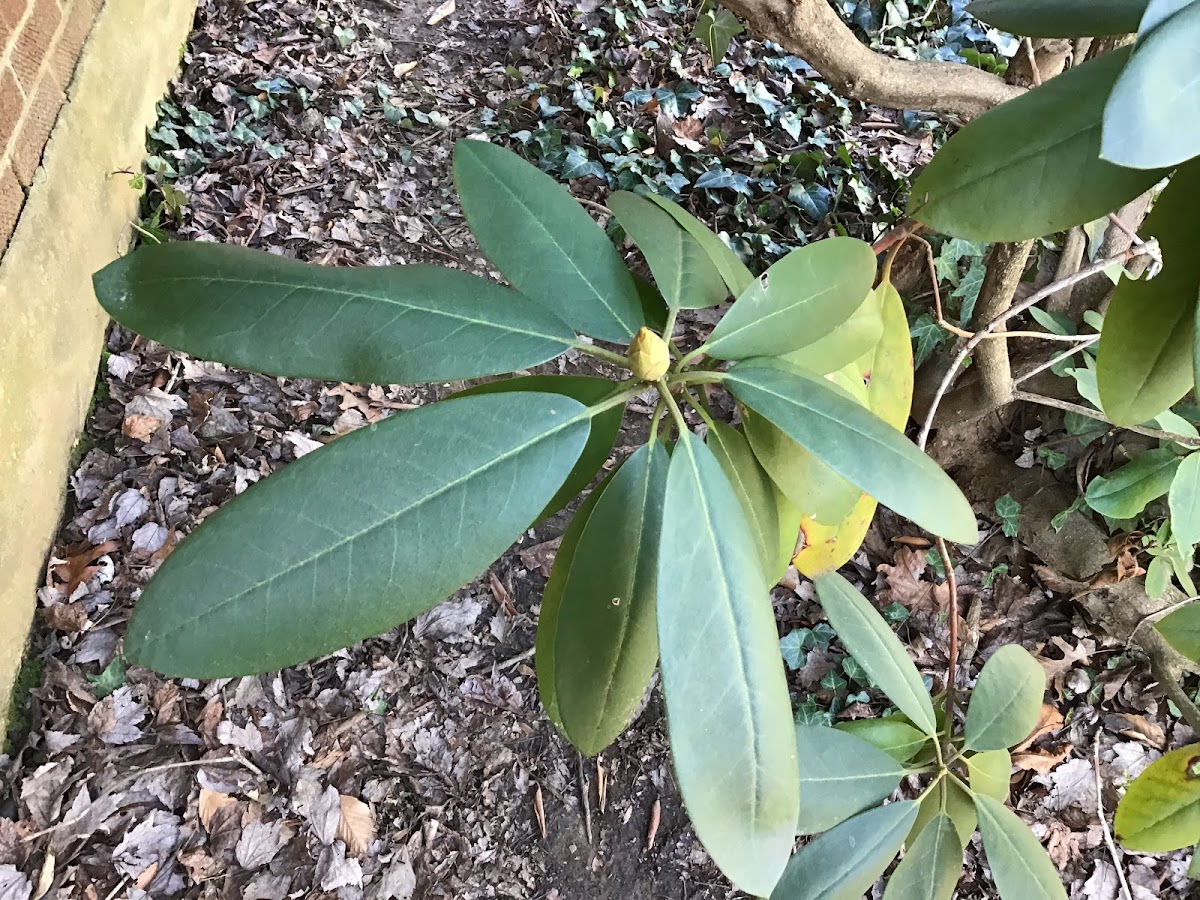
952	654
1099	417
1084	341
617	359
659	409
618	398
694	377
670	326
929	787
688	357
695	404
664	391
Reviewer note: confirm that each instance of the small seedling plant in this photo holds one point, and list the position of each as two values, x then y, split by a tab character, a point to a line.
668	561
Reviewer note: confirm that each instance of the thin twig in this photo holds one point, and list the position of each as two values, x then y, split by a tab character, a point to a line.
1015	310
585	790
1099	417
1055	360
1036	75
1108	838
1155	257
952	653
1187	708
592	204
1155	616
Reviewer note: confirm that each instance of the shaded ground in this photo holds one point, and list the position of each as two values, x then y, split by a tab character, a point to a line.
304	127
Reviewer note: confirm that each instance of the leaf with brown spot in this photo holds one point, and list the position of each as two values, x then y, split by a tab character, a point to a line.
356	828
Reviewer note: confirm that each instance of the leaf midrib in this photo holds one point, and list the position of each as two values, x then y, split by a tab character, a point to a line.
355	295
1013	697
761	319
421	501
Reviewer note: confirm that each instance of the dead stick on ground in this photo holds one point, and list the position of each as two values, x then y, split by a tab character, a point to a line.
652	829
952	651
1108	838
585	790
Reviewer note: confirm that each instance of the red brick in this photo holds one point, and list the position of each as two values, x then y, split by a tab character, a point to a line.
35	41
12	198
79	17
40	115
12	102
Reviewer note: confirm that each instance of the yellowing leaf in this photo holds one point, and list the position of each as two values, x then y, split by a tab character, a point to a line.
356	827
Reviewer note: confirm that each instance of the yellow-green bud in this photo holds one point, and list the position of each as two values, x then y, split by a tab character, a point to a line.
648	355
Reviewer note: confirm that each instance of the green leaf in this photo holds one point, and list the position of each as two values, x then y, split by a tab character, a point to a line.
758	497
733	270
1009	511
844	862
1144	360
1160	811
377	325
1020	867
870	641
1061	18
606	642
715	29
1030	166
654	308
840	776
932	865
547	625
799	475
1125	493
857	445
545	243
1182	630
606	424
897	739
728	710
955	801
685	276
990	773
109	679
1184	499
1152	117
1158	576
860	334
1007	700
1158	12
800	298
356	538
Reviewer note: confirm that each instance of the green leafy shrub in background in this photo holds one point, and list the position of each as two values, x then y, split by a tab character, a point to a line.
669	560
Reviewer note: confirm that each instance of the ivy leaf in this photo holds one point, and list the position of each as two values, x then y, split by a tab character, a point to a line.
1061	18
931	867
1007	700
845	861
929	336
375	325
111	678
242	595
858	446
728	710
1030	166
1144	361
545	243
840	776
797	300
876	647
1125	493
1009	511
1182	630
606	642
715	29
1152	117
1020	867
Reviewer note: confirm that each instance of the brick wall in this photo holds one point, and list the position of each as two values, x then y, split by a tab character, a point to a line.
39	44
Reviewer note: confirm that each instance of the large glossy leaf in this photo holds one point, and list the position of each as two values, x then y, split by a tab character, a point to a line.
1160	811
1020	867
759	498
1006	701
1158	12
685	275
1184	498
1030	166
990	773
844	862
1152	117
897	739
728	711
797	300
819	493
951	798
857	445
737	277
887	370
606	644
932	865
859	335
1144	361
379	325
1182	630
547	625
876	648
1061	18
605	424
840	776
545	243
1125	493
356	538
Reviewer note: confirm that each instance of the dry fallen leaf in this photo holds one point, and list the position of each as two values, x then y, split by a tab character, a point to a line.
80	567
1049	721
401	69
209	803
356	828
1072	656
140	428
66	617
442	12
1041	761
539	811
